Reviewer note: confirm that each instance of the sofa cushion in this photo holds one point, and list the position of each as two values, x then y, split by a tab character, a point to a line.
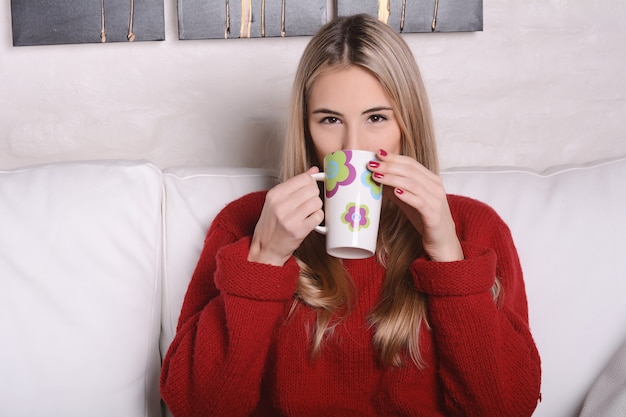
79	290
193	197
569	225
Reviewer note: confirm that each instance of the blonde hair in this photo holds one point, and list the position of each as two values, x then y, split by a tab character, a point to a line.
324	284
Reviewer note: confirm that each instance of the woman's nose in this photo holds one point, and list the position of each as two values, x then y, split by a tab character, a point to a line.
351	138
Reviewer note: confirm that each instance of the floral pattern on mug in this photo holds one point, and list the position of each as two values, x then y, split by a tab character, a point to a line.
356	218
339	171
375	189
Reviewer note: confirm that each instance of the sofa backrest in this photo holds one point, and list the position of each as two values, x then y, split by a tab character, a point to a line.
80	271
569	225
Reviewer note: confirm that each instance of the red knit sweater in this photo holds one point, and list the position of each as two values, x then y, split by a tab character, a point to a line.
236	354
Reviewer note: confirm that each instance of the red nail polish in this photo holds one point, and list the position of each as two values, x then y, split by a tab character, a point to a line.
378	175
374	164
382	152
399	191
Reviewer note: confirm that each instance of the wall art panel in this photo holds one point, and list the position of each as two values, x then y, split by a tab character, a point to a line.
211	19
420	15
49	22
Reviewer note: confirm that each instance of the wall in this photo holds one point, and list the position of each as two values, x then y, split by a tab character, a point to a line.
543	84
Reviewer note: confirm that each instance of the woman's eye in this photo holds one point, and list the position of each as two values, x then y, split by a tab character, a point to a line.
330	120
377	118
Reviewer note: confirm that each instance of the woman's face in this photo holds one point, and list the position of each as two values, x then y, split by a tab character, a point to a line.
348	109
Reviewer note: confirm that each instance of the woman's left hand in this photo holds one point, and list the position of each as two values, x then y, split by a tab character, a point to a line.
421	196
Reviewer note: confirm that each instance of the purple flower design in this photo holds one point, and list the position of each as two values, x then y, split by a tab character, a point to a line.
356	218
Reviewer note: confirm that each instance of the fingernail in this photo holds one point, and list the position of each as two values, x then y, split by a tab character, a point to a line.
378	175
399	191
374	164
382	152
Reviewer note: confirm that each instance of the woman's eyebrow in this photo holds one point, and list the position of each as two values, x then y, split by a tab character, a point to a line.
336	113
376	109
326	111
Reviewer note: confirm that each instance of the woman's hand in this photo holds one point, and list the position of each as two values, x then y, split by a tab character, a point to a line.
421	196
292	210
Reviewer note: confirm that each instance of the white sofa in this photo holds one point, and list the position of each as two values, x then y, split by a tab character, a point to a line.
95	258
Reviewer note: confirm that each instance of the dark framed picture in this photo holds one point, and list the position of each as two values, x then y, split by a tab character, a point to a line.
50	22
225	19
420	15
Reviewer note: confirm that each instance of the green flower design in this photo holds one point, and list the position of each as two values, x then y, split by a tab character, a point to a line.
339	171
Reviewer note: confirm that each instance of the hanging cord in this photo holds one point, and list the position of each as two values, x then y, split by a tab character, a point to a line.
433	26
227	30
283	33
263	18
131	35
103	32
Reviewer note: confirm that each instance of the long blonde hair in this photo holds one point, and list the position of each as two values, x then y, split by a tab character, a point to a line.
324	284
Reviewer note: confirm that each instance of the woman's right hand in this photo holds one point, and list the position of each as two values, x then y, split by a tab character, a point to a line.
291	211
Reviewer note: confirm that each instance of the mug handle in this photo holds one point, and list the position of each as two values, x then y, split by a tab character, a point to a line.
320	177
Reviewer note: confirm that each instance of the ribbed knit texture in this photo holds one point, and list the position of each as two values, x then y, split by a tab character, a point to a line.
238	353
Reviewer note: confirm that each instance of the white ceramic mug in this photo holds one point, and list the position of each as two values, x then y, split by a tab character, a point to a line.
352	202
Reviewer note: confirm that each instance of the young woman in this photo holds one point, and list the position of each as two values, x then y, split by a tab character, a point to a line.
435	325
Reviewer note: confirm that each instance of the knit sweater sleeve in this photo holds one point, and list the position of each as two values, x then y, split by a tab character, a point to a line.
488	362
215	363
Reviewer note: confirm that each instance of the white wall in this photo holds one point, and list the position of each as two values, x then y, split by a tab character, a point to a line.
543	84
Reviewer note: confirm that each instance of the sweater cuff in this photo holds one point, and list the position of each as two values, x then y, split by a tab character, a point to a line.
237	276
473	275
